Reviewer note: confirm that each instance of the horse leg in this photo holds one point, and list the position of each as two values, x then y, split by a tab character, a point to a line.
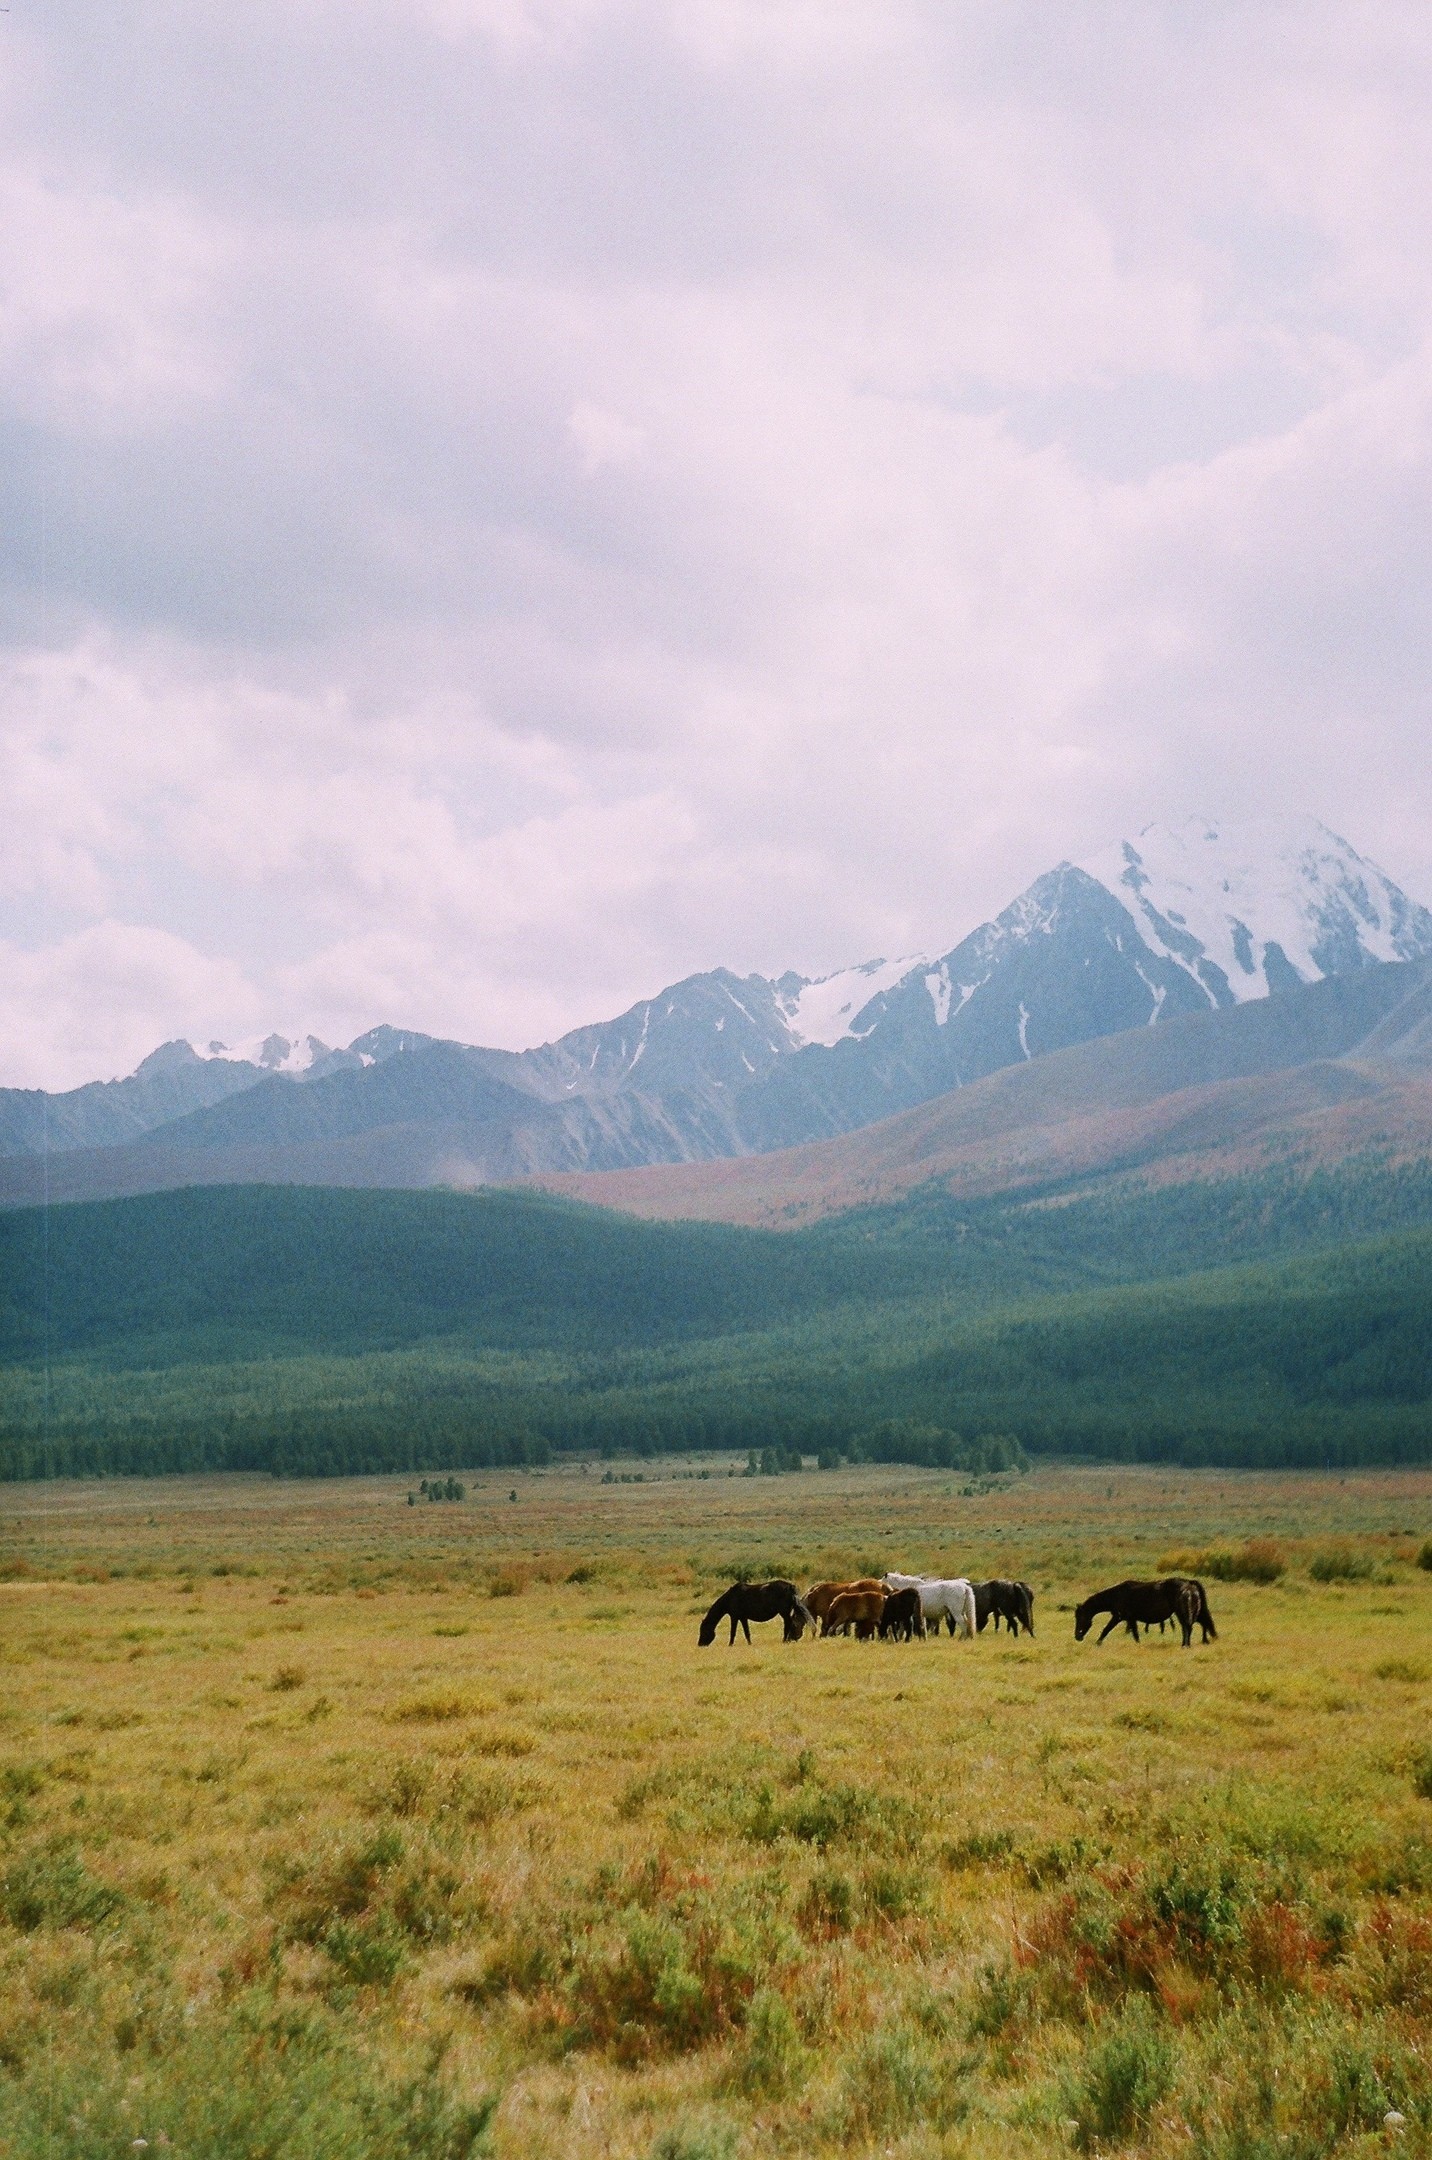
746	1628
1109	1629
732	1636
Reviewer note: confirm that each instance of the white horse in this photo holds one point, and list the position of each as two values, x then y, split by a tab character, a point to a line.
951	1599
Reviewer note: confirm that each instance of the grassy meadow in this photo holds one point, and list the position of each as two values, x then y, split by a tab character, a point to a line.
331	1826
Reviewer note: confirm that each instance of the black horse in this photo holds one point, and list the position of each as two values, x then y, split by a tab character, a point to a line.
1203	1617
1130	1604
902	1618
1001	1599
747	1601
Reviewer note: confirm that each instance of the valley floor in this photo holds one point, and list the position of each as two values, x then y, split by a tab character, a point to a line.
335	1826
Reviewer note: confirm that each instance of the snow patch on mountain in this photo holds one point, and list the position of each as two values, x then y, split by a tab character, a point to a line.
948	997
829	1008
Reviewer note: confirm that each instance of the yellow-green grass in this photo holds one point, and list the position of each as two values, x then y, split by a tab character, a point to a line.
330	1821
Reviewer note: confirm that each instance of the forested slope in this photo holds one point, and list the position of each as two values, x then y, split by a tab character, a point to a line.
1275	1318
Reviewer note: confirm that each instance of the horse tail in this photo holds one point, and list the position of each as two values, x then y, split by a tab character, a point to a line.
1205	1617
967	1606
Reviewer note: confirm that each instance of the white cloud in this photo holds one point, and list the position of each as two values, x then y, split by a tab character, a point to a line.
544	495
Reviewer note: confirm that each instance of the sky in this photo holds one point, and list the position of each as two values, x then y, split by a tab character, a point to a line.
508	503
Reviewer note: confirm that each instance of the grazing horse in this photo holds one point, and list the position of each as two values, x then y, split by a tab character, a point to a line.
950	1599
1001	1599
1203	1617
860	1609
902	1617
821	1596
748	1601
1176	1597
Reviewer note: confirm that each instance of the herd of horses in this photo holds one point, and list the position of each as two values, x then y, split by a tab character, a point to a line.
900	1607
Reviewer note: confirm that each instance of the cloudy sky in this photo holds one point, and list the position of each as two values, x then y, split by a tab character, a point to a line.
509	502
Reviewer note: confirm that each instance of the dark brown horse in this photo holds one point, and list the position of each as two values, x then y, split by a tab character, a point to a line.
748	1601
1134	1604
1000	1599
902	1618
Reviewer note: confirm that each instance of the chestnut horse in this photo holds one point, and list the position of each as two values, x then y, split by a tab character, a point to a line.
860	1609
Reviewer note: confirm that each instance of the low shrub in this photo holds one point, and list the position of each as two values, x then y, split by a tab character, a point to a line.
823	1815
652	1959
774	2059
1257	1560
366	1953
1422	1775
267	2083
709	2137
50	1886
892	2079
1125	2072
1424	1556
362	1904
442	1709
1209	1913
1393	1964
1339	1563
828	1907
982	1848
894	1893
417	1789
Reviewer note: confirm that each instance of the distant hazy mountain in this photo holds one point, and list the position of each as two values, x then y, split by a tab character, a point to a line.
1323	1073
1184	920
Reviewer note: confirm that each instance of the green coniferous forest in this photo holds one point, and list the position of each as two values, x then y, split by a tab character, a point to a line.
1281	1319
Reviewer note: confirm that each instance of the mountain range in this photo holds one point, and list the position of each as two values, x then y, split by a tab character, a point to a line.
1175	937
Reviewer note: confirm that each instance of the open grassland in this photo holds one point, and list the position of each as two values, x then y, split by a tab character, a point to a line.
333	1826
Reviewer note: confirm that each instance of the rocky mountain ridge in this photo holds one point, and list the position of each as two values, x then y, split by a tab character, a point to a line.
1197	918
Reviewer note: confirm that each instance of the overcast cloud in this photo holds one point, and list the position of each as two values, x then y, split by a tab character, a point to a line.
509	502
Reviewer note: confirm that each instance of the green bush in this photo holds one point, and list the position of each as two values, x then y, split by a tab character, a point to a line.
1258	1560
1339	1563
366	1953
1122	2078
1424	1557
892	2079
51	1887
828	1907
823	1815
268	2084
363	1902
709	2137
650	1961
774	2058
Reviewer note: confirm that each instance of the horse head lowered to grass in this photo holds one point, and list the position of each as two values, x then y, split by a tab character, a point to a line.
748	1601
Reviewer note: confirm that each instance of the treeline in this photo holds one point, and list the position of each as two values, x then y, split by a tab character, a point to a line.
1106	1327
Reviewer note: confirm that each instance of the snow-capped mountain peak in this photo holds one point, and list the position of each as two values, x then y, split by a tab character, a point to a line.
1251	908
293	1055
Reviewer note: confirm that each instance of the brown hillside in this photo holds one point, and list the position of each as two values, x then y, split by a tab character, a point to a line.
1213	1095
